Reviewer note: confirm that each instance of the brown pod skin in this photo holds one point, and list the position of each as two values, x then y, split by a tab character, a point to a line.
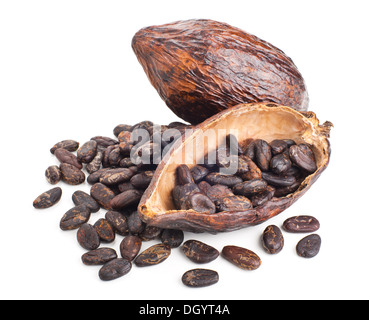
72	175
154	255
48	198
241	257
130	247
272	239
301	224
201	67
157	205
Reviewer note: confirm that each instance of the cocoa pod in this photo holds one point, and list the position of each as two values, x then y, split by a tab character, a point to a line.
201	67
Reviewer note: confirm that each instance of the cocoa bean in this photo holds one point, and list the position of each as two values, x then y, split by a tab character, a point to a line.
309	246
301	224
87	237
48	199
99	256
142	180
199	252
184	175
261	198
75	218
278	181
172	238
70	145
263	154
226	180
280	164
95	164
65	156
150	233
200	203
71	175
103	195
241	257
249	188
233	203
278	146
118	222
135	224
53	174
218	191
197	278
272	239
104	230
302	156
80	197
121	127
130	247
87	152
115	269
154	255
199	172
116	176
181	193
126	199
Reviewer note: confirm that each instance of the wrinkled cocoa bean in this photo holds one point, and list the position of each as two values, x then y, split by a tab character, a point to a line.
104	230
280	164
126	199
48	198
104	142
118	222
87	237
99	256
241	257
278	181
95	164
135	224
69	145
75	218
199	252
302	156
249	188
218	191
172	238
103	195
95	177
197	278
278	146
87	152
150	233
81	197
200	203
53	174
233	203
116	176
71	175
142	180
301	224
226	180
115	269
263	154
184	175
261	198
121	127
252	172
130	247
309	246
272	239
199	173
154	255
65	156
181	193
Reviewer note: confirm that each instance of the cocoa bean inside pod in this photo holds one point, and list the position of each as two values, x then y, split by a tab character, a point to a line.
165	202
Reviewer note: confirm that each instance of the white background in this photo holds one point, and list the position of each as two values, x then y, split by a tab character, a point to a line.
67	70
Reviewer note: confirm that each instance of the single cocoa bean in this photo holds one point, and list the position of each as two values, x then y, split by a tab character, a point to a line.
172	237
233	203
301	224
87	237
241	257
48	199
200	203
87	152
226	180
280	164
309	246
130	247
272	239
199	252
199	172
302	156
116	176
71	175
81	197
70	145
99	256
115	269
65	156
75	218
249	188
104	230
181	194
197	278
126	199
154	255
53	174
103	195
263	154
118	221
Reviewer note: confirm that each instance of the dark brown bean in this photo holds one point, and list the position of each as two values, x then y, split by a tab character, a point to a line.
154	255
104	230
48	198
125	142
71	175
53	174
284	191
103	195
263	154
278	181
309	246
280	164
233	203
241	257
261	198
181	194
200	203
249	150
199	252
302	156
184	175
172	237
150	233
81	197
226	180
87	152
249	188
142	180
225	158
118	221
135	224
104	142
115	269
115	157
116	176
95	177
198	278
278	146
75	218
218	191
252	172
130	247
301	224
205	187
272	239
65	156
87	237
199	173
69	145
95	164
106	154
125	186
99	256
121	127
126	199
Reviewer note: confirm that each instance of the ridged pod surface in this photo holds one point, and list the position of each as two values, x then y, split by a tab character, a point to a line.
201	67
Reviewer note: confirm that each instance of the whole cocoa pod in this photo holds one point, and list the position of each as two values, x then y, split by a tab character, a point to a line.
201	67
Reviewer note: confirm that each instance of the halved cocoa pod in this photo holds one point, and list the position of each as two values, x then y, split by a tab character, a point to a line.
253	121
201	67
